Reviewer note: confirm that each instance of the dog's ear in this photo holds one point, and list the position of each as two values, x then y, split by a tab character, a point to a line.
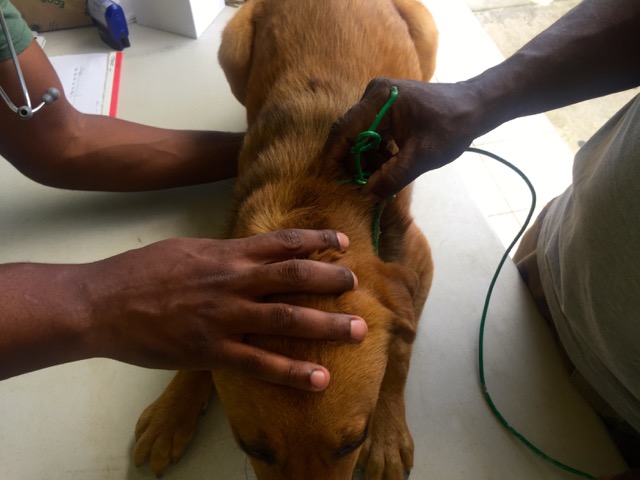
423	32
235	50
402	283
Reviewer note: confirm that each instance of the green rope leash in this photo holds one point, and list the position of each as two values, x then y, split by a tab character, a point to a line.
365	142
483	321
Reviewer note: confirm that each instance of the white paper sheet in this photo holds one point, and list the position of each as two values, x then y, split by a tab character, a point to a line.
88	80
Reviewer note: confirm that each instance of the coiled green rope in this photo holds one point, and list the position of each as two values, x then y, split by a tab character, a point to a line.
483	321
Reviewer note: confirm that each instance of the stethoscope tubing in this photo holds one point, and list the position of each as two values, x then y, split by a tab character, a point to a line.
16	64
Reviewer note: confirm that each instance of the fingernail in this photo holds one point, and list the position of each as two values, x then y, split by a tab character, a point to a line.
343	241
318	379
355	281
359	329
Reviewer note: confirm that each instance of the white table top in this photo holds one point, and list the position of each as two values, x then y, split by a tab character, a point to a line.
76	421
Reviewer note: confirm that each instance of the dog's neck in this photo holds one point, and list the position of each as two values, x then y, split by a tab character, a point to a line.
283	176
285	140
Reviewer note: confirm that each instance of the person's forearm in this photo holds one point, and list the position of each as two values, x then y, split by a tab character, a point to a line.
63	148
592	51
141	157
44	320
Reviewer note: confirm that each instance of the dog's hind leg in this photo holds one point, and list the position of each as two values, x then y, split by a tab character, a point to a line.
166	427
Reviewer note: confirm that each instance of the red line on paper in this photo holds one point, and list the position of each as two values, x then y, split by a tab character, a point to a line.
113	108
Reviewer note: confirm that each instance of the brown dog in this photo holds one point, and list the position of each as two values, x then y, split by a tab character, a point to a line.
297	66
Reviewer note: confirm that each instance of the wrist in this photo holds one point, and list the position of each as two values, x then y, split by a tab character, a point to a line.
491	101
100	329
73	310
46	319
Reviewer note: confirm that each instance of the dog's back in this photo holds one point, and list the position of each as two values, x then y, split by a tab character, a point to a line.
297	66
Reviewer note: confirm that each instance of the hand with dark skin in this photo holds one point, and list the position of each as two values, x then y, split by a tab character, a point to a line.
177	304
590	52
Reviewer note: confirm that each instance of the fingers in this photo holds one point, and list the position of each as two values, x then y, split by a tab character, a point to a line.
301	322
282	275
274	368
393	175
385	181
285	244
300	276
357	119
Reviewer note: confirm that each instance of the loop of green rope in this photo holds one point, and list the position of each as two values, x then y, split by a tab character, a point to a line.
485	389
370	139
365	141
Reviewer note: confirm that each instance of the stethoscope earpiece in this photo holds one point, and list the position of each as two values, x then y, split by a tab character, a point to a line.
25	113
51	95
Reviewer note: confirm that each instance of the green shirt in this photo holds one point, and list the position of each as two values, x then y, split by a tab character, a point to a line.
18	29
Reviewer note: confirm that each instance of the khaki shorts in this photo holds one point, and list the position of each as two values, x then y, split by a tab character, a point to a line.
525	258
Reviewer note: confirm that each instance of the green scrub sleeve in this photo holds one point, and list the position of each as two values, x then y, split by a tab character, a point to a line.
18	29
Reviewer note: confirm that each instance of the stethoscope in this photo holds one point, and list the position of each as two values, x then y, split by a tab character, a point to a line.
25	112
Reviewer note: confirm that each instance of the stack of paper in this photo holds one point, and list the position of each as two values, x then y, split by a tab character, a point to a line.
91	81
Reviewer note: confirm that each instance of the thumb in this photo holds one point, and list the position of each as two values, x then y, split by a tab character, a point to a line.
395	174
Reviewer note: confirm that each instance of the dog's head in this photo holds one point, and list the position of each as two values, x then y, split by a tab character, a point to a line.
292	434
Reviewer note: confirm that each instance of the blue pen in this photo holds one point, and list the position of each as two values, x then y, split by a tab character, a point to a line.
111	21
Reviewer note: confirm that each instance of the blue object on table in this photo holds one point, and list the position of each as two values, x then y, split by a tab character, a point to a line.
111	21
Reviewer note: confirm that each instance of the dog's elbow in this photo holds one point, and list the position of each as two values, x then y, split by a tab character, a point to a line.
403	328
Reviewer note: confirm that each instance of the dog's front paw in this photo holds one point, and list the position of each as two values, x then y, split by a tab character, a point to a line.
387	454
166	427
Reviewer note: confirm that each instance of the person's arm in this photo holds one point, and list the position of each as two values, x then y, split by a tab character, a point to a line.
63	148
591	51
177	304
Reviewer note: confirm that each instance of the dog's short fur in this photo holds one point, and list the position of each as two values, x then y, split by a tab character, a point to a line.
297	66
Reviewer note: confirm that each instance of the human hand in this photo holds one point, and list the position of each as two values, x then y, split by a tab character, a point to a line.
431	123
186	304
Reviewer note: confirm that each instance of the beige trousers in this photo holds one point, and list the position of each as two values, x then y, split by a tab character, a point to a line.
526	260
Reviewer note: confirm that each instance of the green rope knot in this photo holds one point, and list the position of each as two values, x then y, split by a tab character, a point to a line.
370	140
365	142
